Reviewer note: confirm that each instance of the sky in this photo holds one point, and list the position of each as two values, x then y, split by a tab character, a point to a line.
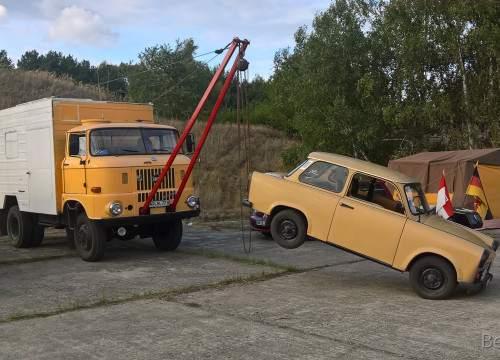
118	30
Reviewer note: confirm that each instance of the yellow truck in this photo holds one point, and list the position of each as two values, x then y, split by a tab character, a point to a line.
89	166
376	213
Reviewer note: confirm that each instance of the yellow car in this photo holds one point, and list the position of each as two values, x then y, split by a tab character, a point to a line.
374	212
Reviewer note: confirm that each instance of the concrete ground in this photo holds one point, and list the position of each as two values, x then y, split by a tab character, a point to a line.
139	303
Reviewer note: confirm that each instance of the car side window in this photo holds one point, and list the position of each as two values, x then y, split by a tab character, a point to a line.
326	176
376	191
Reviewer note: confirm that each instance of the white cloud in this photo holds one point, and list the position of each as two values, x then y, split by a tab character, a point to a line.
3	14
80	26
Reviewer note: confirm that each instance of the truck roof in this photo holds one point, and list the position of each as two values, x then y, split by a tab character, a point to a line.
59	99
363	166
102	124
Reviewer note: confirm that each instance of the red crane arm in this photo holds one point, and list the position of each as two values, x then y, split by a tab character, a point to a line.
236	43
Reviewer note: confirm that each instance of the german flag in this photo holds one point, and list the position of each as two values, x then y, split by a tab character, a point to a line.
475	189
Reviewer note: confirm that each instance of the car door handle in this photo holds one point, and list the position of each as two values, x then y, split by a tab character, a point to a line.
347	206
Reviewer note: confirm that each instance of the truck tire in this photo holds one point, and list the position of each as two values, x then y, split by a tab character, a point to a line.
37	234
19	227
167	236
90	238
289	229
70	236
432	277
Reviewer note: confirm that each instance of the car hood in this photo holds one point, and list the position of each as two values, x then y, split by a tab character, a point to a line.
460	231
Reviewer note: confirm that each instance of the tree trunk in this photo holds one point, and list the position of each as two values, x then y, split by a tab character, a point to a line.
465	91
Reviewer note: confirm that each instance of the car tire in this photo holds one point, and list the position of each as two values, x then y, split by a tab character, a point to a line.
167	236
90	238
19	227
432	277
289	229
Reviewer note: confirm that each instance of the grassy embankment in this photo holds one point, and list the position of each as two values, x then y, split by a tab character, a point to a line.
220	174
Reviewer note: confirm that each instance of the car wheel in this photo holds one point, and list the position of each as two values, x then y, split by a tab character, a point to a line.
289	229
168	236
19	227
90	238
432	277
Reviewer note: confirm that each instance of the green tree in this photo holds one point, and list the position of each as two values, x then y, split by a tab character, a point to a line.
30	60
440	62
5	61
170	77
321	87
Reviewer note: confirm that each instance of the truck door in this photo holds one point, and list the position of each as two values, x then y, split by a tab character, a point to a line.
74	164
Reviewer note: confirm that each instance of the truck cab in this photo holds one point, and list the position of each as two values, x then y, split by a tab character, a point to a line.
89	167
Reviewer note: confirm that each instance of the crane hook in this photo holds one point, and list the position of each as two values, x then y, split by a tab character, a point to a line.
242	64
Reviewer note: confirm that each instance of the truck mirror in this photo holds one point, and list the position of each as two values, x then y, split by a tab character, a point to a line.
190	143
74	145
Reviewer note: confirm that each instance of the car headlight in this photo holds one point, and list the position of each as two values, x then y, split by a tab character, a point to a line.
192	201
115	208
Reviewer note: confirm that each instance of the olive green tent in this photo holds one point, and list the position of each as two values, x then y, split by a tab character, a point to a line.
458	166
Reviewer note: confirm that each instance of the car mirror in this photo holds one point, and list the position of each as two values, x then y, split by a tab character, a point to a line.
190	144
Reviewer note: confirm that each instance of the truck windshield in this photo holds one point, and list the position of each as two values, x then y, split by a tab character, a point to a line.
416	199
132	141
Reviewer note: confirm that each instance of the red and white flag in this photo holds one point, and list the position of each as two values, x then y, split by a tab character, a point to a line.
443	205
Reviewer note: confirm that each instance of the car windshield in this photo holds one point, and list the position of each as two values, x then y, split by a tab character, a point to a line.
416	199
132	141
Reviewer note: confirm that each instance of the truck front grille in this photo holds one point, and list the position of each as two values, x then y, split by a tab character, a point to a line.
146	178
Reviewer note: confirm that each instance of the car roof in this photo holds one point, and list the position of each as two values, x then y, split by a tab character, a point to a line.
362	166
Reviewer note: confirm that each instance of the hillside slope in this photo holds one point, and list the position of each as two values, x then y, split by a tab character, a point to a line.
220	174
19	86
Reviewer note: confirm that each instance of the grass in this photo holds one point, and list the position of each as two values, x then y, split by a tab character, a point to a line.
19	86
166	295
244	260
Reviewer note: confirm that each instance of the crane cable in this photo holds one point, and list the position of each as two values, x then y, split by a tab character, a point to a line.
242	107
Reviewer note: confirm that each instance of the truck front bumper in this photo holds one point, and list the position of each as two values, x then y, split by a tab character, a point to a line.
149	218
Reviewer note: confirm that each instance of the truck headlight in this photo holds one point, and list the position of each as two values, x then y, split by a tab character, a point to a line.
115	208
192	201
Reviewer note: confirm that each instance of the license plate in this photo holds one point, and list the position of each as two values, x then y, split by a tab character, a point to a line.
159	203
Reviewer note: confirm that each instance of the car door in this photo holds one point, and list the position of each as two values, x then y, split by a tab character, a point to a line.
362	225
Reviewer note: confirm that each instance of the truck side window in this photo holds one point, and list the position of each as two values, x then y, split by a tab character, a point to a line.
77	145
326	176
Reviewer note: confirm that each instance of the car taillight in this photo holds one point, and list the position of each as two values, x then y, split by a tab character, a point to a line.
484	257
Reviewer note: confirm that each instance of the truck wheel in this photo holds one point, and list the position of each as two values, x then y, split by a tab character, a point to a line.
70	236
19	227
289	229
37	234
432	277
168	236
90	238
